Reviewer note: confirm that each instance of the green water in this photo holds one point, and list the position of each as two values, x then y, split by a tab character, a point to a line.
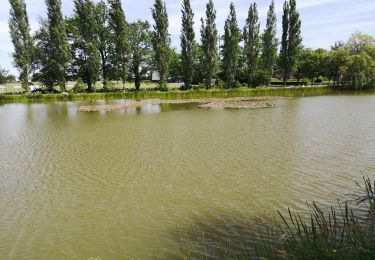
137	184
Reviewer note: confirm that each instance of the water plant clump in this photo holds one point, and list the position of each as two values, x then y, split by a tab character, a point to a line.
220	103
342	233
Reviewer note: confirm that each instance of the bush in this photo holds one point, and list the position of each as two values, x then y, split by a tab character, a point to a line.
79	87
261	78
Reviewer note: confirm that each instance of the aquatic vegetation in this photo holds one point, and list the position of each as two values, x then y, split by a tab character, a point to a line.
341	233
216	103
172	94
344	232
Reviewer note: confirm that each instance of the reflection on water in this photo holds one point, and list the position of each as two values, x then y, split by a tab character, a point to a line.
135	183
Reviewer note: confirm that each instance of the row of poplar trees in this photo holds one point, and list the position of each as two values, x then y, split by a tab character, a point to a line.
98	42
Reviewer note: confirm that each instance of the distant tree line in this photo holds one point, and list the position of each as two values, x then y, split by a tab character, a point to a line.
98	43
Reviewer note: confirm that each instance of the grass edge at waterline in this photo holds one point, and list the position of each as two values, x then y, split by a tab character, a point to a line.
172	94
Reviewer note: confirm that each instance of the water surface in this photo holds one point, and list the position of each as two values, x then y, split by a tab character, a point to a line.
136	184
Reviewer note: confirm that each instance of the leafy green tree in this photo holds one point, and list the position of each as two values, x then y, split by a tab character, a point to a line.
11	78
252	43
3	75
335	62
19	28
86	51
209	38
140	46
199	67
119	37
188	44
269	45
176	70
295	39
361	71
104	39
232	38
284	57
312	63
291	39
161	42
59	56
358	42
43	72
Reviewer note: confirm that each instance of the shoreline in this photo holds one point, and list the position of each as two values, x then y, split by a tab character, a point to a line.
173	94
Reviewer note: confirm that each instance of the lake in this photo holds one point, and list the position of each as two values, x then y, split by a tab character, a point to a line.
139	183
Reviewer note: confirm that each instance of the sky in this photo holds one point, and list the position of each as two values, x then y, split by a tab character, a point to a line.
323	21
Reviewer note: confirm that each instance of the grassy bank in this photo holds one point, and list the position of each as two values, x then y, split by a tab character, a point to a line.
172	94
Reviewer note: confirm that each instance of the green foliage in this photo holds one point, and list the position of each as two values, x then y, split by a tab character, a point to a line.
103	39
161	41
176	71
359	42
3	75
295	39
42	71
232	38
79	87
283	58
252	43
173	94
312	64
209	38
119	37
19	29
85	39
351	65
141	53
58	56
291	39
269	45
337	234
188	45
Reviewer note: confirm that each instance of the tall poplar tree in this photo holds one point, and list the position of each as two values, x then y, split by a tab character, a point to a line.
231	48
291	39
188	44
60	49
140	45
119	37
209	39
252	43
103	34
284	57
295	39
161	42
19	28
269	44
87	42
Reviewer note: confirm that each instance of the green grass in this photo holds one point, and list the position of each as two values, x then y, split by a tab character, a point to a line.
171	94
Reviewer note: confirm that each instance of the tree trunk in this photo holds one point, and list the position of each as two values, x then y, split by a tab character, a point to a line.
285	79
137	77
104	70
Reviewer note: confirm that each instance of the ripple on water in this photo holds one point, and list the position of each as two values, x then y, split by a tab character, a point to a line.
117	185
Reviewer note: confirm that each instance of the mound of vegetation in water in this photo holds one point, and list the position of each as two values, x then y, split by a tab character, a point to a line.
214	103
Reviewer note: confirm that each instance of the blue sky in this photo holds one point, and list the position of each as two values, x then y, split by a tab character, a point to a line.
323	21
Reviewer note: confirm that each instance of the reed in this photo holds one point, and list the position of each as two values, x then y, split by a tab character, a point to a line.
341	233
172	94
